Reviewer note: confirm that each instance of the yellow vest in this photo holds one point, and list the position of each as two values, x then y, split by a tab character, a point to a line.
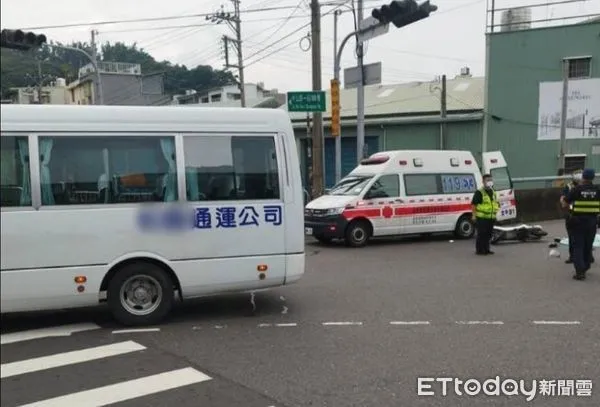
488	208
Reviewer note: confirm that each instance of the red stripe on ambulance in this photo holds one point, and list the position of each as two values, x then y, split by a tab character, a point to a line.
405	211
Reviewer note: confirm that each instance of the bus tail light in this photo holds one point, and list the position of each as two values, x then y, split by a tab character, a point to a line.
468	162
262	269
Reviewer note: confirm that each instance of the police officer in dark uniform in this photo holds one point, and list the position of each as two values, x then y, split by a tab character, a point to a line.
567	188
584	201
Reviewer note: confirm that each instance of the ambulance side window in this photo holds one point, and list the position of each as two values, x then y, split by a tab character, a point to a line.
387	186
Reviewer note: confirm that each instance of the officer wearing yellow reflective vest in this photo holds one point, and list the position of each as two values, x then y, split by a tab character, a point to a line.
584	201
485	207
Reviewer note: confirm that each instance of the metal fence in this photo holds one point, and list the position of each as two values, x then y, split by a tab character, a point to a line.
543	182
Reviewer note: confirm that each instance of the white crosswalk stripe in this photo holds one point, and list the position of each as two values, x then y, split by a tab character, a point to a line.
85	393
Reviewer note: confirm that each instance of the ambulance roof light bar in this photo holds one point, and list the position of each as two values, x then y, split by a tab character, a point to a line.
375	160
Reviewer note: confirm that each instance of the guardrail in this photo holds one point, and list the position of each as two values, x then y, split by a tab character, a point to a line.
554	181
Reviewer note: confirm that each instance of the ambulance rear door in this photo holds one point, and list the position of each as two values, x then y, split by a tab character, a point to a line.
495	165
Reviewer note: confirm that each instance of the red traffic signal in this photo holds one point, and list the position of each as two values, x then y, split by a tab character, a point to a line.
21	40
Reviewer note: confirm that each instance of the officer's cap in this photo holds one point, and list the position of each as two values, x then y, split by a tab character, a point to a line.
588	174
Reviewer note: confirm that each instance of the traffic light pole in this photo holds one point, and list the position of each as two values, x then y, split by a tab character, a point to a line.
336	76
94	64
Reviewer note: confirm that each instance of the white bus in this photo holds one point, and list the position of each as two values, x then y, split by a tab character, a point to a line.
143	206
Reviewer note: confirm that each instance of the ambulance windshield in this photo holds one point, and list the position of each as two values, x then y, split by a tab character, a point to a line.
352	185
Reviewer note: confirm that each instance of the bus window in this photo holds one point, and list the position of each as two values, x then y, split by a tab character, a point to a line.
107	170
220	168
15	176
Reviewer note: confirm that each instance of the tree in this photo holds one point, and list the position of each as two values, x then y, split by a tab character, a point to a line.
19	69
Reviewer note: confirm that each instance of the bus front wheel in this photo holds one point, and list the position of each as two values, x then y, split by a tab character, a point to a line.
140	294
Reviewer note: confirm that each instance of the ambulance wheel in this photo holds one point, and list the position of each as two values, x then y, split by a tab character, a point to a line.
358	233
464	227
140	294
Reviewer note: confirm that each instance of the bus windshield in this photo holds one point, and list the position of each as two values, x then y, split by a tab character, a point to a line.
353	185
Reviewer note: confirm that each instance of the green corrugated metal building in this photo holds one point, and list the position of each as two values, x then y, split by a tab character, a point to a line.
525	91
402	116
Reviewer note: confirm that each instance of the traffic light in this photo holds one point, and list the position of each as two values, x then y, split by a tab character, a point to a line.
403	12
335	107
21	40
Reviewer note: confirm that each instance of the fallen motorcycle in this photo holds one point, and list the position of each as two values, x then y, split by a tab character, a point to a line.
522	232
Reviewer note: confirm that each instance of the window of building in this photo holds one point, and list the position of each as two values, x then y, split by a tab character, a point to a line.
204	99
387	186
220	168
107	170
580	67
215	98
574	163
15	179
422	184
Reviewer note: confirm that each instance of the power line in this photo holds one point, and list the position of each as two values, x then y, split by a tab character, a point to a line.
150	19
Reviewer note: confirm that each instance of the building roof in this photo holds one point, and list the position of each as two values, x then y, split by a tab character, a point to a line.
463	94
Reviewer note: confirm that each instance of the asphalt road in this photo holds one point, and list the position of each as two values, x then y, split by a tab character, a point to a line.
359	330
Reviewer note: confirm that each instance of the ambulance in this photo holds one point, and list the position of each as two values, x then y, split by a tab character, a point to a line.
407	192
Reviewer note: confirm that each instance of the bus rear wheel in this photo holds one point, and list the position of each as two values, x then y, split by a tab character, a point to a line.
140	294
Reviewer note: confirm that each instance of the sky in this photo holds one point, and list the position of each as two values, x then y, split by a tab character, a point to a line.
453	37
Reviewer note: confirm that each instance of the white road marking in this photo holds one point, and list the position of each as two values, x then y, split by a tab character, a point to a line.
409	323
68	358
287	324
55	331
220	326
341	323
128	390
557	322
264	325
132	331
284	310
480	322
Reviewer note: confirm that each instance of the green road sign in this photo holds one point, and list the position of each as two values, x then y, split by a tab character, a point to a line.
310	101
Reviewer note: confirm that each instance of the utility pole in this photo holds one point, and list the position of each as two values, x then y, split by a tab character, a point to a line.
443	127
563	114
360	91
317	124
39	81
235	23
338	138
95	63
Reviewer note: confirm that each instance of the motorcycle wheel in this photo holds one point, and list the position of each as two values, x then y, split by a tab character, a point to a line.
496	236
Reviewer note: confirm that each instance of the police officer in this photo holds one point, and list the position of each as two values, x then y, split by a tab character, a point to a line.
567	188
584	201
485	207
